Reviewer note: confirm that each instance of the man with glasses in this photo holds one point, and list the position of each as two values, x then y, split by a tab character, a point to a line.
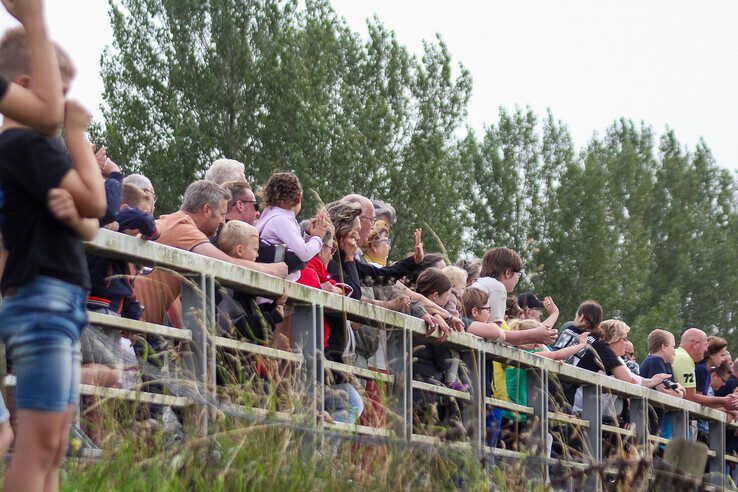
630	359
692	349
242	205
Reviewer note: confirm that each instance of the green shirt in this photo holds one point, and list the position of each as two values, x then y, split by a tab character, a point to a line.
517	389
683	367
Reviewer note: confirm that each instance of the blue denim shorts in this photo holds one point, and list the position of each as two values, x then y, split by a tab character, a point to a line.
40	326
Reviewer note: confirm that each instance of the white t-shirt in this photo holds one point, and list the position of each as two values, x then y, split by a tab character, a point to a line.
497	296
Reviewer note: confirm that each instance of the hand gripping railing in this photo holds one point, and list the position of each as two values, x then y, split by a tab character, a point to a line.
310	305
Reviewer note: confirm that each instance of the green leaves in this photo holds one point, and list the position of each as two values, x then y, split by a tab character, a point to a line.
647	231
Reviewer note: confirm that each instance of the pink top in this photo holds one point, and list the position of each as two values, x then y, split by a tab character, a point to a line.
279	226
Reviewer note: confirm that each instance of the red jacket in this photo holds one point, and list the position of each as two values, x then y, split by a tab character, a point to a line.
314	275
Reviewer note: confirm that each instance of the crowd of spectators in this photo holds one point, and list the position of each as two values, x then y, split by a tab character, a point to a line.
344	249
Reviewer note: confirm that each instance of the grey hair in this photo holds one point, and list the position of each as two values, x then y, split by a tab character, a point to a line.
329	232
224	170
139	181
343	214
201	193
385	211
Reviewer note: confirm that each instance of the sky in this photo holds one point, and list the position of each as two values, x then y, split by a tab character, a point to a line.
665	62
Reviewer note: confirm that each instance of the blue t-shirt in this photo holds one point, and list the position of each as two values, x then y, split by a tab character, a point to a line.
653	364
702	377
729	387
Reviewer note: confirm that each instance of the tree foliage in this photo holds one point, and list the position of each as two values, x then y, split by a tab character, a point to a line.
636	221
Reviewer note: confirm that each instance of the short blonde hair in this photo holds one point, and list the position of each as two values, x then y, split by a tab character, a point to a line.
523	324
611	330
234	233
133	196
658	338
15	56
456	275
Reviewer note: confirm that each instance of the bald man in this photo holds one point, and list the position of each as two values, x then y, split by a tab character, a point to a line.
692	349
630	359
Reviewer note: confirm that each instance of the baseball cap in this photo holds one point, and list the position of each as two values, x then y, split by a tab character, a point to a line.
529	300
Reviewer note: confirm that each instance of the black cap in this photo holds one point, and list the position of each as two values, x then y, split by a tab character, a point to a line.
530	301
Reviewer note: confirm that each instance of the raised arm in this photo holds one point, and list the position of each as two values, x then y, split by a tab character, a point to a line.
41	107
566	352
84	182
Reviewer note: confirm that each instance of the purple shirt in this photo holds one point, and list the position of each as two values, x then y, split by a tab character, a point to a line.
279	226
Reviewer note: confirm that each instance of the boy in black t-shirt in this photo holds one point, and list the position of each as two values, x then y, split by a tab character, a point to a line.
45	279
41	107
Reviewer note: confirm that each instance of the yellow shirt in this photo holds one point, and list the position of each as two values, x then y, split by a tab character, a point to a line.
499	382
683	367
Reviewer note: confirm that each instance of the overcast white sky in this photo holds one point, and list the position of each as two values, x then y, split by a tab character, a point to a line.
665	62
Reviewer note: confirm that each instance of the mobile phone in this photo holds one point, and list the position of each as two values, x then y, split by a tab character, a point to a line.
279	253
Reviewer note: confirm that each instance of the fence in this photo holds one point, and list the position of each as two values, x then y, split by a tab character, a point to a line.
311	304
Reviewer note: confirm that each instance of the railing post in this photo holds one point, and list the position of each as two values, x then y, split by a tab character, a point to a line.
592	412
308	329
400	363
474	410
538	397
195	316
679	424
639	417
717	444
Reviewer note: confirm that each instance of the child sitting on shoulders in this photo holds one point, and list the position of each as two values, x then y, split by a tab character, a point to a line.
278	224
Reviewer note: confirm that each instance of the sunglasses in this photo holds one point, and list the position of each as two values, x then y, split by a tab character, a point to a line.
254	202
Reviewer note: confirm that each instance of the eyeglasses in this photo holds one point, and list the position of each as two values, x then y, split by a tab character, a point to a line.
372	220
254	202
386	240
150	194
331	246
485	308
630	354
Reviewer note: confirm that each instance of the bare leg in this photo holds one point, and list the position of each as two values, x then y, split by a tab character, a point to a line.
37	448
52	478
6	437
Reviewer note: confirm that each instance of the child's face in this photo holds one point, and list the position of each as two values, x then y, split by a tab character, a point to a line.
251	249
441	298
481	314
510	279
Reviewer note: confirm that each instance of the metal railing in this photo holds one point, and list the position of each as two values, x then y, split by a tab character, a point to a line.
199	313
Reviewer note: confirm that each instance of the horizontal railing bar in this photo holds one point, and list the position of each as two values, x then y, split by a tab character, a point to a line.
257	349
122	246
358	371
123	394
358	429
567	419
139	326
503	453
231	408
506	405
132	395
659	439
570	464
441	390
612	429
